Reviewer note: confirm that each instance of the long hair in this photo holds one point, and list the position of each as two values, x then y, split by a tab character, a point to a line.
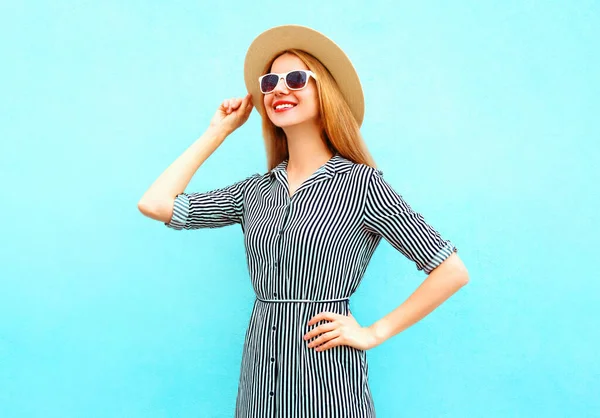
339	129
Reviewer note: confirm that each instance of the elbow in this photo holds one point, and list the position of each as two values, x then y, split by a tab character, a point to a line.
462	276
160	211
145	208
465	278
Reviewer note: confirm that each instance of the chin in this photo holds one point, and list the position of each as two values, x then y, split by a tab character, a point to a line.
286	122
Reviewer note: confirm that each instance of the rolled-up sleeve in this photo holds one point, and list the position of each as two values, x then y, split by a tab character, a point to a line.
387	214
213	209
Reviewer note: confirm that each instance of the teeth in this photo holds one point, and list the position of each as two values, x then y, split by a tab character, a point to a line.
283	106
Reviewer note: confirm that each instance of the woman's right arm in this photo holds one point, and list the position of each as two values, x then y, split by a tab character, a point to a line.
157	202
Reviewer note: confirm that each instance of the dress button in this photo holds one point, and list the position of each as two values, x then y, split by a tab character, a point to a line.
275	294
271	393
274	328
276	264
272	358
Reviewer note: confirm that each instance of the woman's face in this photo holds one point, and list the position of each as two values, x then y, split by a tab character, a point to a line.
305	102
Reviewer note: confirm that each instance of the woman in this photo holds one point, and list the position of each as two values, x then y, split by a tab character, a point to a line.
311	225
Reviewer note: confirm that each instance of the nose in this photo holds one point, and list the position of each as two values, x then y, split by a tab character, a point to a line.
281	88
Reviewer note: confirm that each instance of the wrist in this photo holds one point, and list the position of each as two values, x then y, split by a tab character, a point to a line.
378	333
217	133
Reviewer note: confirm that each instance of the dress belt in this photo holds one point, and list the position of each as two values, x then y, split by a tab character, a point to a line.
301	300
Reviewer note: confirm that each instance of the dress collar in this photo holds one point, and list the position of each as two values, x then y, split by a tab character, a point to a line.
336	164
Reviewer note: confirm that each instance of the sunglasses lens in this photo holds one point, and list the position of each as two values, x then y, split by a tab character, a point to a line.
268	83
296	79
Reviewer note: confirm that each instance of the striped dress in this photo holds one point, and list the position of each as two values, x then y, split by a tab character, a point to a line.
307	254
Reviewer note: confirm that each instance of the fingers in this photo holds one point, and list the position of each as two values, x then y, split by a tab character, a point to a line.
328	316
318	330
247	105
231	105
330	344
324	338
246	102
327	340
226	106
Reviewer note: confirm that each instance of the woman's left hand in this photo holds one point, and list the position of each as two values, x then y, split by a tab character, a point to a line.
341	330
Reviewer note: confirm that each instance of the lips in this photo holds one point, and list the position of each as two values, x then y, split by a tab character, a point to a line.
283	105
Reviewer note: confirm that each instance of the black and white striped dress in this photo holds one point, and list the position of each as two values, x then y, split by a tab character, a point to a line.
308	254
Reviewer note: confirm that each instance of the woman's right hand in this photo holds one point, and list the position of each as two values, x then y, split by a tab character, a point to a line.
232	114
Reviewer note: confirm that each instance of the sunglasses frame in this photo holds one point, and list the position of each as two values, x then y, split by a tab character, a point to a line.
309	74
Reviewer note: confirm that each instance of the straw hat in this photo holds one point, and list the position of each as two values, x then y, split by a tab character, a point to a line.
276	40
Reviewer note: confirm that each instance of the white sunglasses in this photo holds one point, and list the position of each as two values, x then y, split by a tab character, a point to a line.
294	80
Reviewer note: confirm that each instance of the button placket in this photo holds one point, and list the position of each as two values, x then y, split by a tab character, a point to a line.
276	266
273	363
277	263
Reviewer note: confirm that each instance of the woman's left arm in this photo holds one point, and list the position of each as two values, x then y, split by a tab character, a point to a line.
387	214
439	285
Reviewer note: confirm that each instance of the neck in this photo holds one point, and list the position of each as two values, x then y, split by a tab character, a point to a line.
306	148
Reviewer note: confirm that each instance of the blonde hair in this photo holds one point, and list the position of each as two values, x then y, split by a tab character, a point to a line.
339	129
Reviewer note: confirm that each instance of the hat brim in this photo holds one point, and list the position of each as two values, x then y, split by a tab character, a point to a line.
280	38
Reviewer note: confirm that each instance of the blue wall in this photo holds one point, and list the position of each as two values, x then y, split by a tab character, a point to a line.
483	115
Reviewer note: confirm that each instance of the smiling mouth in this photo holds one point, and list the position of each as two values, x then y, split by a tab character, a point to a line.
283	107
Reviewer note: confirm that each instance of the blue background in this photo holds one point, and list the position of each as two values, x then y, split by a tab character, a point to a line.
483	115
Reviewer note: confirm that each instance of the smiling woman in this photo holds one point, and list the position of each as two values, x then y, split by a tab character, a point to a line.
324	107
311	225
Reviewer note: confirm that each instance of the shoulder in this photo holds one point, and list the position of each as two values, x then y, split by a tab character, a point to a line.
368	179
362	171
247	182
